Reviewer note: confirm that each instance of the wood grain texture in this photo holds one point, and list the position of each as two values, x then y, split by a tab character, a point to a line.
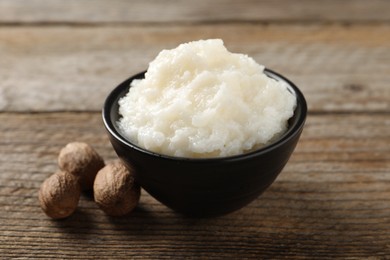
339	68
179	11
331	201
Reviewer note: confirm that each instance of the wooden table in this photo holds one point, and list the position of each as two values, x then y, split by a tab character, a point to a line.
59	59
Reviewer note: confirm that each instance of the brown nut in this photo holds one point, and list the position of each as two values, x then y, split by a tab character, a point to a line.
115	190
81	160
59	195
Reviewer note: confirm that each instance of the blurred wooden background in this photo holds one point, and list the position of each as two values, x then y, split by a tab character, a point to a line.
59	60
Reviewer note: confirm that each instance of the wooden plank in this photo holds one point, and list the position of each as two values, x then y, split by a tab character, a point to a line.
339	68
331	201
178	11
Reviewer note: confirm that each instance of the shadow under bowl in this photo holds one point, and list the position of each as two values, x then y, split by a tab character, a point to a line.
207	186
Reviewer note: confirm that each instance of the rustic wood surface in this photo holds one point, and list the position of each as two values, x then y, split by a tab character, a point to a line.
201	11
59	59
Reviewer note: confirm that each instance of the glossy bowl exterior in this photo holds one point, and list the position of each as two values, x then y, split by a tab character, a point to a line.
209	186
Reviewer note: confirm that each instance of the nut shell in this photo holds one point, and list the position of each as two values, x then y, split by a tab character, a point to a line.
59	195
115	189
81	160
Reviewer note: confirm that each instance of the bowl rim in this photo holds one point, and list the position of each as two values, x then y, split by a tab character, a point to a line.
122	89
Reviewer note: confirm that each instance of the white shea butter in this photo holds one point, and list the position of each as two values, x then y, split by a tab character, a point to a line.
199	100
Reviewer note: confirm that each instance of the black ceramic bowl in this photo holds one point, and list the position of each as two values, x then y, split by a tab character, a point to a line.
205	187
